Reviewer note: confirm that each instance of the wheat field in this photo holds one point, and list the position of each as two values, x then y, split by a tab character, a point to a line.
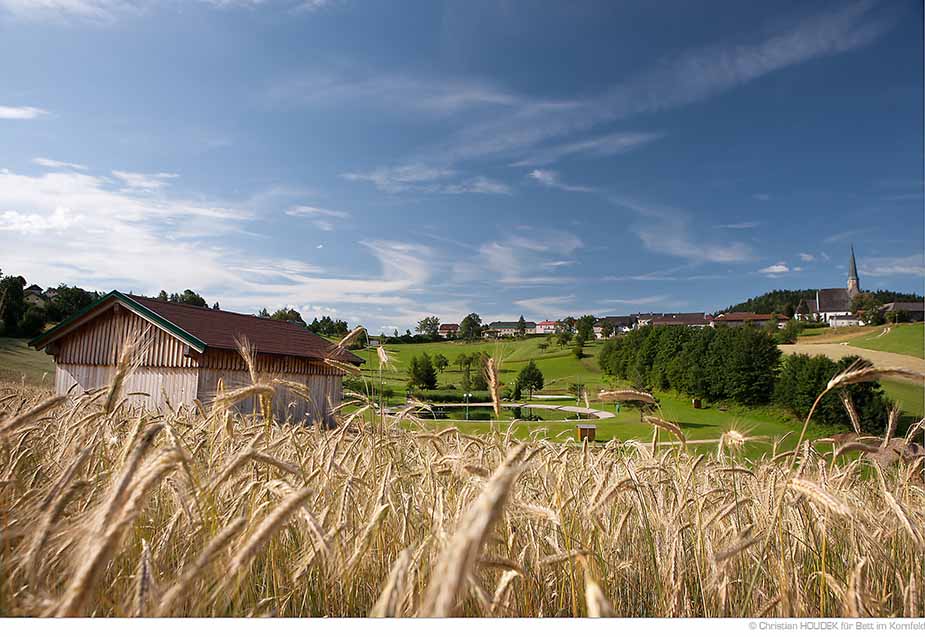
106	511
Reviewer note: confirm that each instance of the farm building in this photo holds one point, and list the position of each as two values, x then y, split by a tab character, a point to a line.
186	350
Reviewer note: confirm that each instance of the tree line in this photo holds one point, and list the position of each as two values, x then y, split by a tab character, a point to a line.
22	319
787	302
738	364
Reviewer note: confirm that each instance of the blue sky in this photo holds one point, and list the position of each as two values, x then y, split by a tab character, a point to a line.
385	161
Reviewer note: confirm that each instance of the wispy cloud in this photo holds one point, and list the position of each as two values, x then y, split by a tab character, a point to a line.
53	163
523	259
839	237
143	181
913	265
689	77
399	94
422	178
615	144
667	230
21	112
740	225
320	217
762	196
551	179
806	257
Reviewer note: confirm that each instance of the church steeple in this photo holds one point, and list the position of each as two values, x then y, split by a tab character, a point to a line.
854	284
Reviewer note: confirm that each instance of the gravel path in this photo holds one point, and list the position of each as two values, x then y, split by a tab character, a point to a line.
836	351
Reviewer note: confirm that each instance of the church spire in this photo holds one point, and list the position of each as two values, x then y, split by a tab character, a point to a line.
854	284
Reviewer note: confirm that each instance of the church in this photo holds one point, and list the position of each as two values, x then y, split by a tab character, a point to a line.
833	305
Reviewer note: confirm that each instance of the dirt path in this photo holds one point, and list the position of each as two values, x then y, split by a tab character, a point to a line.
836	351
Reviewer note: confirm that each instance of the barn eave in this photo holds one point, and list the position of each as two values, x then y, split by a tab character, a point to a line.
91	311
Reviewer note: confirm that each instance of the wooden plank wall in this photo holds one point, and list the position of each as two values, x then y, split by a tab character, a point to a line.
326	393
100	342
146	387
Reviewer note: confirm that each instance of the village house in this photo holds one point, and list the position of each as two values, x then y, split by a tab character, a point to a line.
905	310
618	325
185	352
733	319
501	329
546	327
448	330
34	296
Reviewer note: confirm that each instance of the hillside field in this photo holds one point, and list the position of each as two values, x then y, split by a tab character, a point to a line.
560	369
905	338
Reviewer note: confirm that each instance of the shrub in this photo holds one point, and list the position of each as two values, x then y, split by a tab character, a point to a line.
804	377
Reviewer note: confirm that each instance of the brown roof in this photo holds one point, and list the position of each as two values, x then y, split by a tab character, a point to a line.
682	318
449	326
904	306
219	329
749	316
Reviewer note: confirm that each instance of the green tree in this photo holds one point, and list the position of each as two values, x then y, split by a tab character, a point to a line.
69	300
162	296
471	327
12	304
441	362
868	306
215	306
290	315
428	326
188	297
521	326
422	373
803	378
606	330
32	323
530	378
263	313
579	349
584	326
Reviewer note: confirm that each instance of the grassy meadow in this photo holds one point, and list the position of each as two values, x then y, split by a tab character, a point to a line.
903	338
763	425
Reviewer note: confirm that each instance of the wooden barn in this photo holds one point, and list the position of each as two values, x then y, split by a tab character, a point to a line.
187	349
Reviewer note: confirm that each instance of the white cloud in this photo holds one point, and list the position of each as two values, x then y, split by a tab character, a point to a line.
427	179
54	163
913	265
143	181
667	231
615	144
762	196
741	225
81	229
93	10
20	112
777	268
807	257
320	217
60	219
551	179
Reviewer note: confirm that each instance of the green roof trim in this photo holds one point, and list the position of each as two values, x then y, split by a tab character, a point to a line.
42	339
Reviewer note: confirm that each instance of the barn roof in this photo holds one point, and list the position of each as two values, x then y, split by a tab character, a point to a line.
202	328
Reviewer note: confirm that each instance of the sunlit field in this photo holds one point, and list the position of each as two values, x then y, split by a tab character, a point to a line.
206	512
